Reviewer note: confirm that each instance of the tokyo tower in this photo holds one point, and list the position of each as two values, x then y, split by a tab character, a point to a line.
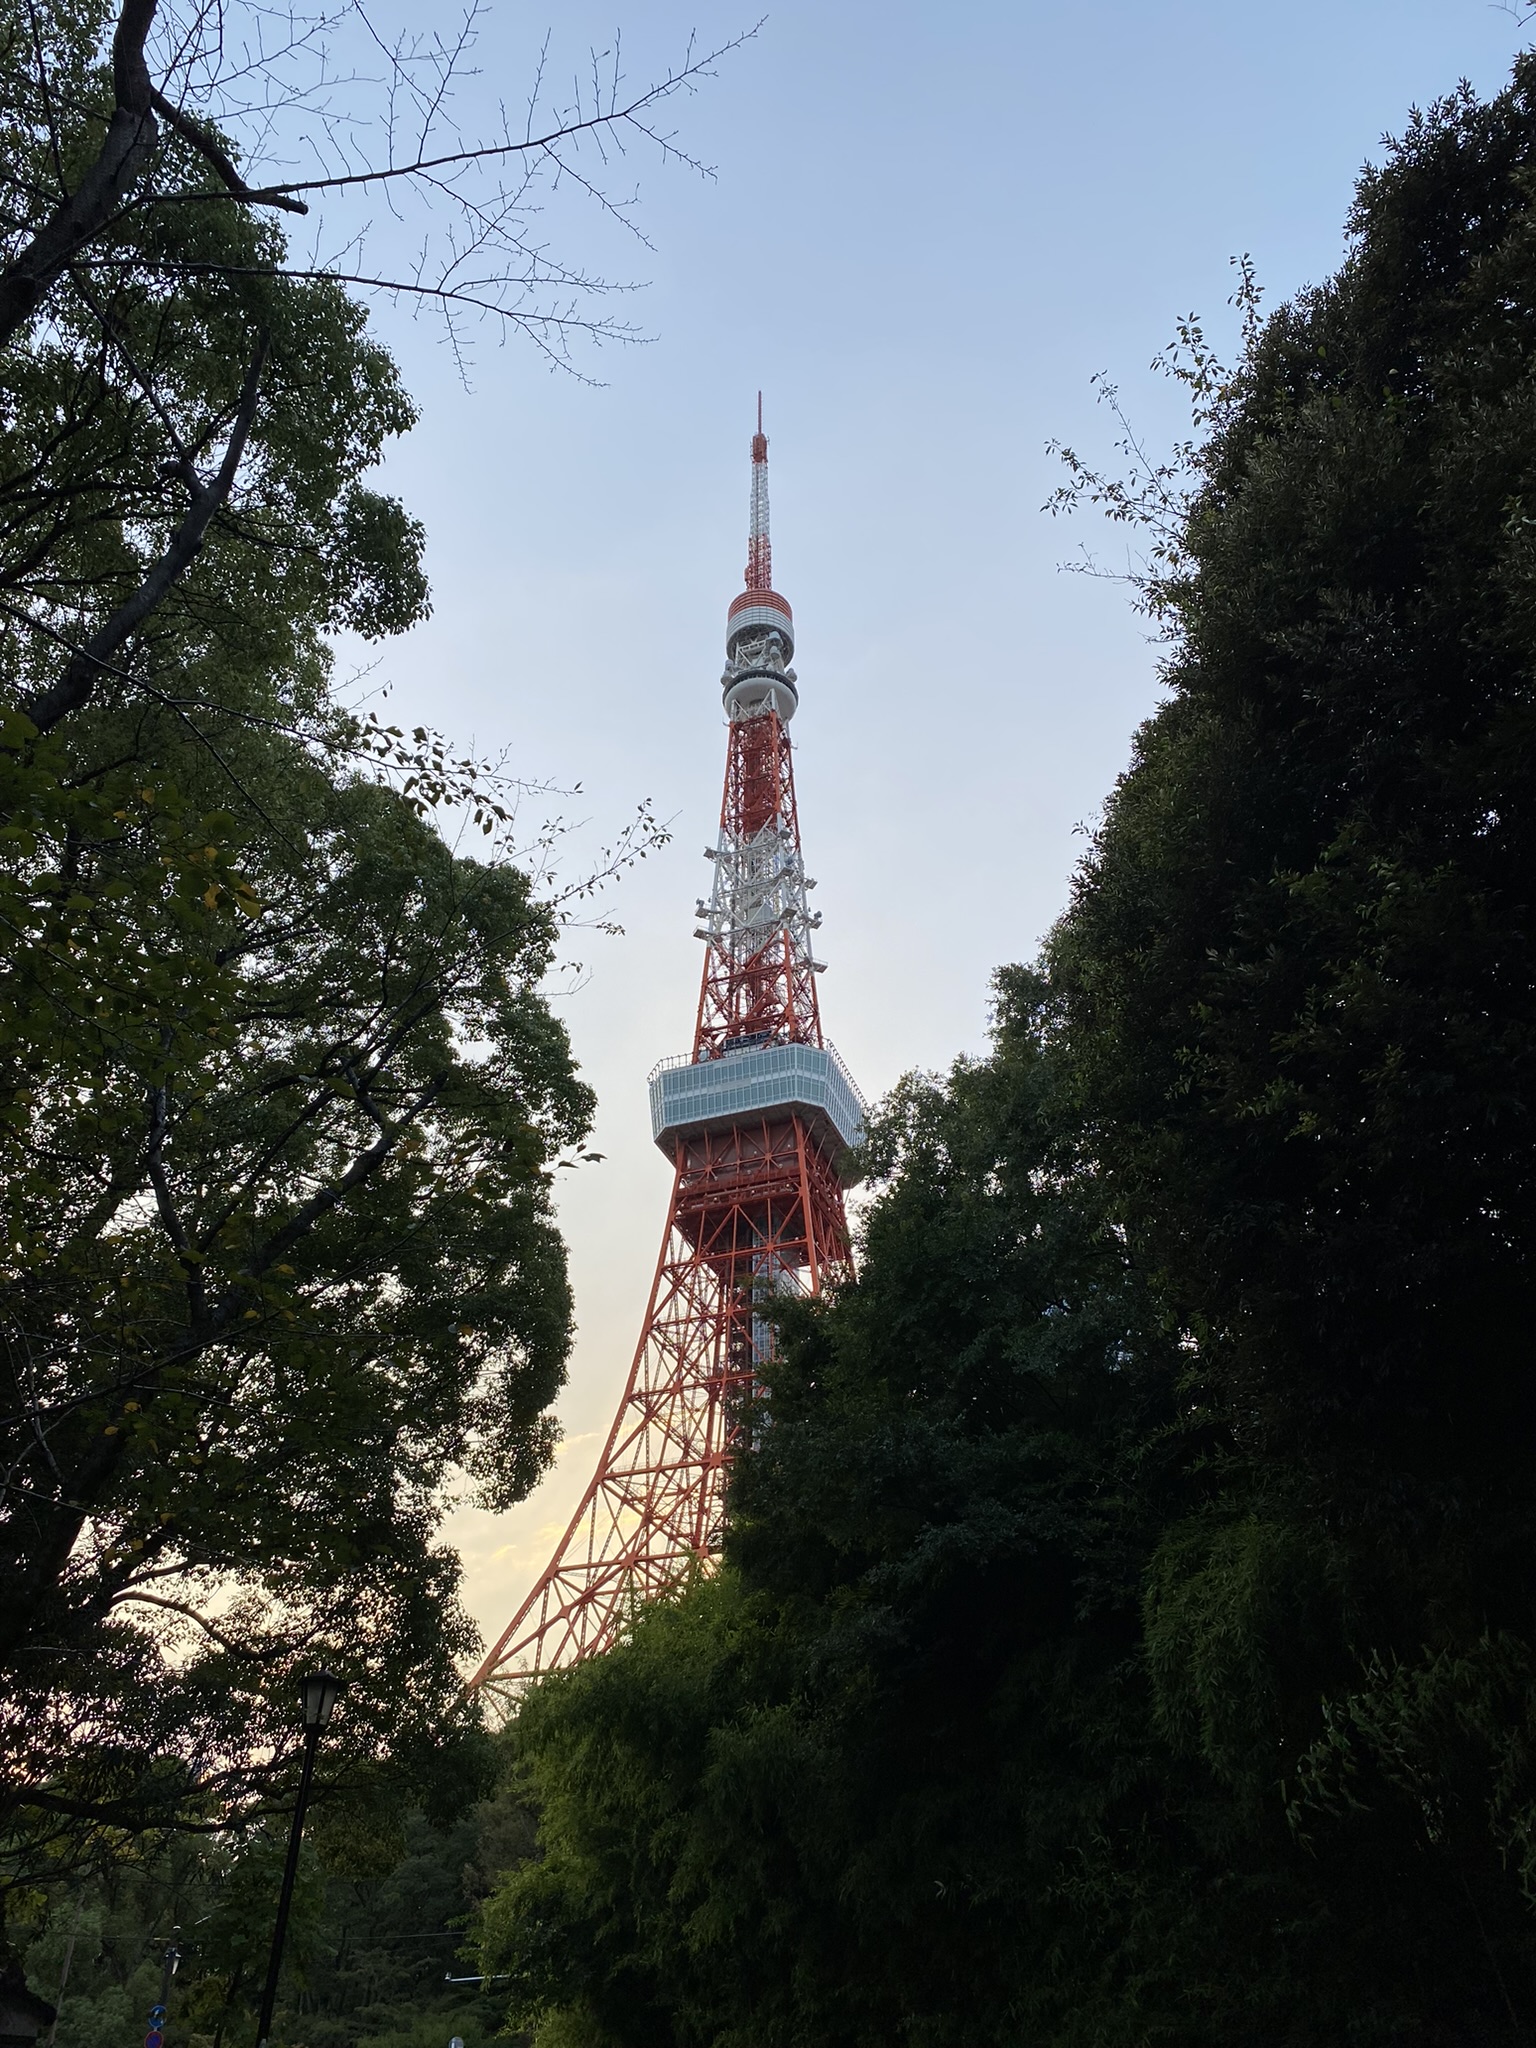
753	1122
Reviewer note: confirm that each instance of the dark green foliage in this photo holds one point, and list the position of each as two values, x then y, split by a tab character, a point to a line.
1127	1632
377	1930
279	1258
1299	1001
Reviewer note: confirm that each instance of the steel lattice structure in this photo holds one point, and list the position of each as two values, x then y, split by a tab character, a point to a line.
753	1121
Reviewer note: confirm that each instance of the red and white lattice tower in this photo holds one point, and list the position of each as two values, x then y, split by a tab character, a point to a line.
753	1121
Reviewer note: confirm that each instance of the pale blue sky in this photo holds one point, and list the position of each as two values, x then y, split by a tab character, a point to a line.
930	226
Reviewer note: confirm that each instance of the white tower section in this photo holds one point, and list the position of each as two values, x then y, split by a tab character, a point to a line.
759	898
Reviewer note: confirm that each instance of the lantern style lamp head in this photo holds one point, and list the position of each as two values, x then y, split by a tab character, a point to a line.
318	1690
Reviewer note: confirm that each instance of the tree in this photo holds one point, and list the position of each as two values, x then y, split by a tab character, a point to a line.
1296	992
280	1255
279	1095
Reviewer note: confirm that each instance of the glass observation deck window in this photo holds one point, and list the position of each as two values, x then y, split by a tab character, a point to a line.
702	1095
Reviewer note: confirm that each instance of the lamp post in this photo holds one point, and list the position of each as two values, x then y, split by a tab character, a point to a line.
318	1693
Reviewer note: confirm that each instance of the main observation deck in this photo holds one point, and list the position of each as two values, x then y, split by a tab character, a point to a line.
689	1096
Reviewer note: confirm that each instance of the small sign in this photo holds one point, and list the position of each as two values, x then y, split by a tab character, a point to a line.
154	2038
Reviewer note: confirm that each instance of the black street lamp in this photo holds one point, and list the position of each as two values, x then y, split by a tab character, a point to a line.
318	1693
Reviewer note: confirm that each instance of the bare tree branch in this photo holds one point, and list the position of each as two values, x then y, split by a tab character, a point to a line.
597	123
207	146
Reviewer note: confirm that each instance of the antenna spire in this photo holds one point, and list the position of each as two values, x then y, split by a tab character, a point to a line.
759	547
759	626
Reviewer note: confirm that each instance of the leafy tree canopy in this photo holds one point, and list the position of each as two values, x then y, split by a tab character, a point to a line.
279	1095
